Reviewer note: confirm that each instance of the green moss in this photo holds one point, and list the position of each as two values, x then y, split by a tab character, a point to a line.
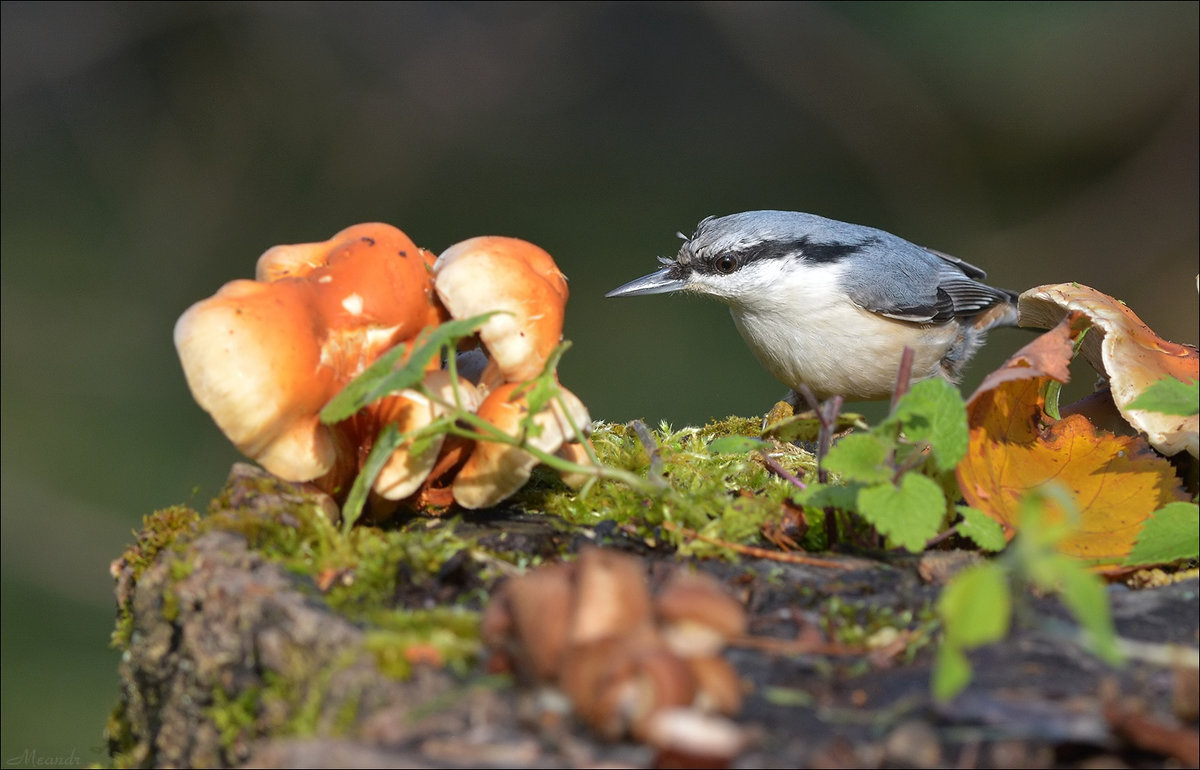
865	624
235	716
444	636
725	497
123	747
168	528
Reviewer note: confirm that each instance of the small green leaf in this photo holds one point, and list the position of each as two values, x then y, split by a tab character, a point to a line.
806	427
1170	396
909	515
976	606
543	388
843	498
983	530
860	457
736	445
1171	533
933	411
381	377
389	439
951	672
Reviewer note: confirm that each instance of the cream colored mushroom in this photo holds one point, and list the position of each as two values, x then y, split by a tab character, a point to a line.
494	273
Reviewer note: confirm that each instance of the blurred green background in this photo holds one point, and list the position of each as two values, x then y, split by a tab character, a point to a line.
152	151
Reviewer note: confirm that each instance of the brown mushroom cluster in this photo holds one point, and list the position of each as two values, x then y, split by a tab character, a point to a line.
264	356
629	663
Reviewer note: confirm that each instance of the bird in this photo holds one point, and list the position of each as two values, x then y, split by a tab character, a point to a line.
831	305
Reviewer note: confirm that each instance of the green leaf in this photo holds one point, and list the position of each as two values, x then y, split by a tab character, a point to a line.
860	457
933	411
735	445
1170	396
424	438
389	439
806	427
909	514
1171	533
843	498
976	607
983	530
545	386
381	377
951	672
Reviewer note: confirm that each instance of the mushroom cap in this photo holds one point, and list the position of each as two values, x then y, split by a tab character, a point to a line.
491	273
530	620
700	617
1127	352
494	470
263	357
612	596
253	362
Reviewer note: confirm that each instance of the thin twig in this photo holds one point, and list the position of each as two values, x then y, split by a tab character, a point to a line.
652	451
931	542
903	376
755	551
783	473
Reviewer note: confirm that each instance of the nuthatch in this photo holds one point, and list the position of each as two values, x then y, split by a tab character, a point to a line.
832	305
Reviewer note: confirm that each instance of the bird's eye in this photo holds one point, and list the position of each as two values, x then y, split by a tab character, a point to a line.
726	264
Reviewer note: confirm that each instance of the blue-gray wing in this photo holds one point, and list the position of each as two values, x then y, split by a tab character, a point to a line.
913	283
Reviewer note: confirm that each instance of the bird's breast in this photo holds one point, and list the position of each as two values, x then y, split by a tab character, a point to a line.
841	349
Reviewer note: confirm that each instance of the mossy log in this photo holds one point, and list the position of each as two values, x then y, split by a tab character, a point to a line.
259	634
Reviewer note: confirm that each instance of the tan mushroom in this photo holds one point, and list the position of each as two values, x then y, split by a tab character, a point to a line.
617	683
528	620
612	596
698	617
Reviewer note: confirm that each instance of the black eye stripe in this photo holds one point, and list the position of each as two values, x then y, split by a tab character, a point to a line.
728	262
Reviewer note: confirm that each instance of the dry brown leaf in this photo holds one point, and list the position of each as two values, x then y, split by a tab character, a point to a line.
1015	447
1125	351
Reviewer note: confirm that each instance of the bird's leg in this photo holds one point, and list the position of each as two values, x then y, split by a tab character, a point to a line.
827	414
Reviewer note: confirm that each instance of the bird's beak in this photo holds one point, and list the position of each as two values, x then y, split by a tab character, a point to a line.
658	282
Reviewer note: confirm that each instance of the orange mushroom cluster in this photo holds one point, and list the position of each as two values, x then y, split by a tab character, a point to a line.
630	663
263	357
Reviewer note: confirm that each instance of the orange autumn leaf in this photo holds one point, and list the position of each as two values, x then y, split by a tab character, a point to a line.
1116	481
